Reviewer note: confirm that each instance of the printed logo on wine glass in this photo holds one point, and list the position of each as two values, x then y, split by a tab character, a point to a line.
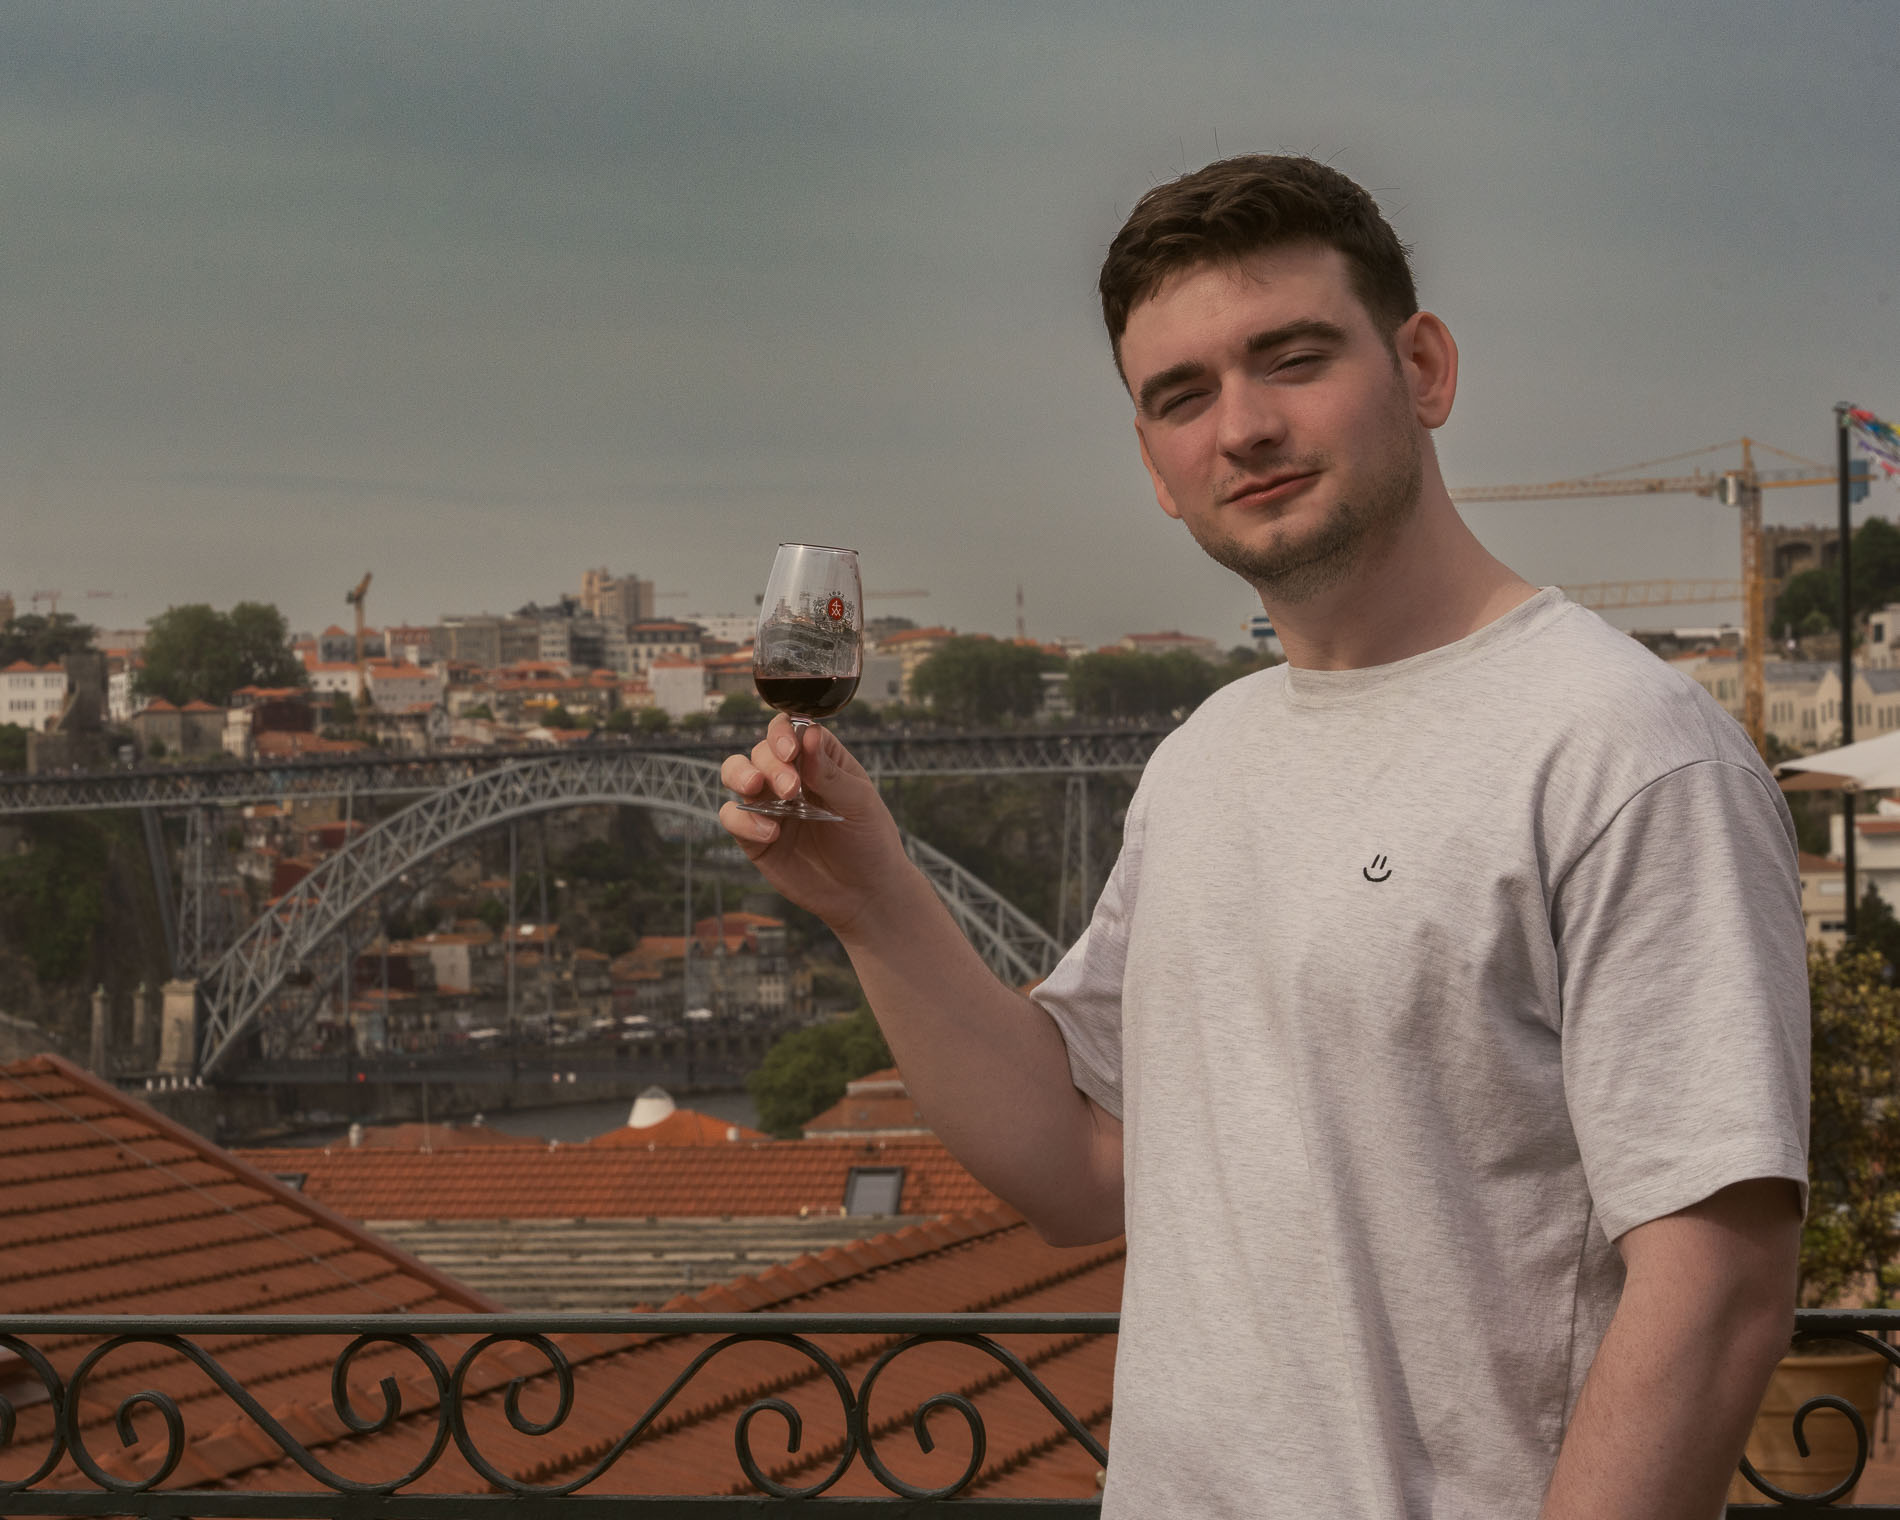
834	609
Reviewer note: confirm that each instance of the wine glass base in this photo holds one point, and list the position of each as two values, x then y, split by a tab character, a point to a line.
791	807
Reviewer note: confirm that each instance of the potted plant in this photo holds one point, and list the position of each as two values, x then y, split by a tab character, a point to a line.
1850	1244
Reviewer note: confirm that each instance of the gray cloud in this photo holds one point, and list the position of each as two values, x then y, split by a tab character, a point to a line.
296	288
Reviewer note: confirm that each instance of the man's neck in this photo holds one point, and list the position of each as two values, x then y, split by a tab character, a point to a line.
1432	585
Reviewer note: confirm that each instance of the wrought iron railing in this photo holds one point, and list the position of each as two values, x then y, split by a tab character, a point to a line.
55	1420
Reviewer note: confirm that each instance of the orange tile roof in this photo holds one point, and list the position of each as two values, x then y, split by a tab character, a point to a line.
107	1207
684	1126
868	1114
913	635
417	1138
986	1261
607	1182
278	744
735	923
1807	862
877	1104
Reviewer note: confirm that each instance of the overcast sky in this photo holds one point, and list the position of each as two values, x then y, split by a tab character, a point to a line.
475	296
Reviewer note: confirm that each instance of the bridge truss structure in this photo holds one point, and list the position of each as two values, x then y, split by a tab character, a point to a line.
204	917
177	788
257	980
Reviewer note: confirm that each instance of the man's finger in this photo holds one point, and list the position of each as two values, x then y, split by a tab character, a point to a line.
738	774
753	831
782	737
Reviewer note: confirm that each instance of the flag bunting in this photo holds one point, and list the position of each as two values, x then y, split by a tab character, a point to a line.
1881	439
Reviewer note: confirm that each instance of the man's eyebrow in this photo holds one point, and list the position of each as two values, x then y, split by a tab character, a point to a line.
1306	329
1294	332
1174	374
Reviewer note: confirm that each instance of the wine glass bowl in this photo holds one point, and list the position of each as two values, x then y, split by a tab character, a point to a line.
808	652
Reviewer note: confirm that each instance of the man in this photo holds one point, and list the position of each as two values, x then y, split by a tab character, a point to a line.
1440	1037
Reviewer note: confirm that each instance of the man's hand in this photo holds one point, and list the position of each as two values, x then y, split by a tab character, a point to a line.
986	1066
836	870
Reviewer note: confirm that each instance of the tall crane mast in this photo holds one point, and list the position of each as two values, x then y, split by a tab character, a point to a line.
1736	488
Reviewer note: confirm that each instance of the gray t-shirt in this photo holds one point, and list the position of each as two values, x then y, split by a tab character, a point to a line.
1414	987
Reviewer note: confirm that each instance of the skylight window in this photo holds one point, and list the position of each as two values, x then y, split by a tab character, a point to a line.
874	1190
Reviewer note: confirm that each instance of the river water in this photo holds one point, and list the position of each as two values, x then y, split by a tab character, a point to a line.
571	1123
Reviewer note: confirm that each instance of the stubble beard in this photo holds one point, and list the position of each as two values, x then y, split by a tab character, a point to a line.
1289	569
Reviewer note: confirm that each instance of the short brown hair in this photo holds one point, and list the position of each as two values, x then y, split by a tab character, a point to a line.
1240	206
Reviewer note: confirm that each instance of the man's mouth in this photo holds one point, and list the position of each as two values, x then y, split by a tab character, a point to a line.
1267	490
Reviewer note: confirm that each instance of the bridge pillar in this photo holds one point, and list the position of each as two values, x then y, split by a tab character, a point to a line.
178	1029
97	1057
145	1021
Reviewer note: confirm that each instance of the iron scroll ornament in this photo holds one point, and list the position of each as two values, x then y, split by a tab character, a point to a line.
1862	1442
167	1409
564	1383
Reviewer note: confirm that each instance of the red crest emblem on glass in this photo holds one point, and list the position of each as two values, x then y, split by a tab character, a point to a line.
834	609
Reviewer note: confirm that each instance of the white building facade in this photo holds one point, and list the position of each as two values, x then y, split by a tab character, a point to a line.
31	696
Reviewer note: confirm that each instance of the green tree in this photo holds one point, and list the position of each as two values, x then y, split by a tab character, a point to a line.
1127	685
1851	1240
342	710
1876	564
976	680
1876	929
1812	596
493	912
620	721
653	720
52	897
740	707
479	710
558	716
41	640
196	653
695	722
805	1071
12	747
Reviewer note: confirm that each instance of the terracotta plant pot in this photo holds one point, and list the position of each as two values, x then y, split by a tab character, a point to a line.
1800	1376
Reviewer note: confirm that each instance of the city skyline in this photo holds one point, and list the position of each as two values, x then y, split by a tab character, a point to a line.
475	300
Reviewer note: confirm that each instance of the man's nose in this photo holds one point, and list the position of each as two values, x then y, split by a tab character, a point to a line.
1249	420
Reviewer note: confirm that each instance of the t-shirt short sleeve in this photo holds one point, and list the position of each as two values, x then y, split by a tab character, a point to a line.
1084	993
1684	995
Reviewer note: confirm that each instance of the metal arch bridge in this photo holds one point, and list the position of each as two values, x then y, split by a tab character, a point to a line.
1025	752
242	984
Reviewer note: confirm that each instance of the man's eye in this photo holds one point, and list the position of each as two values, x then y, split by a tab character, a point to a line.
1299	361
1174	403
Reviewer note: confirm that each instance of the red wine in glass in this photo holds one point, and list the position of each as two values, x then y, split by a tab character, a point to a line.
808	652
806	696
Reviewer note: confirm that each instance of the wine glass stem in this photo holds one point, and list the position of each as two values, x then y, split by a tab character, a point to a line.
799	725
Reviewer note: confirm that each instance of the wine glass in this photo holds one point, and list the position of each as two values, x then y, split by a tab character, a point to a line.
809	649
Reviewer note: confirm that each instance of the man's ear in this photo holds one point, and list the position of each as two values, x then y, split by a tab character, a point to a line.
1161	491
1429	359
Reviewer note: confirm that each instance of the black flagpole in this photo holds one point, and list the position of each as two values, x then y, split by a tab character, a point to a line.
1847	660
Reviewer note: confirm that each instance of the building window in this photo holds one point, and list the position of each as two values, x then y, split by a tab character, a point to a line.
874	1190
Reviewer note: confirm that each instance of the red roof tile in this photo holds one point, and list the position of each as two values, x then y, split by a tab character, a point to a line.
621	1182
434	1137
876	1104
107	1207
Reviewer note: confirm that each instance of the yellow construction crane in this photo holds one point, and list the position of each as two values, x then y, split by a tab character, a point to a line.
1736	488
355	599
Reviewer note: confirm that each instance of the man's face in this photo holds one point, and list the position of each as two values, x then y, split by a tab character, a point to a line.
1274	418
